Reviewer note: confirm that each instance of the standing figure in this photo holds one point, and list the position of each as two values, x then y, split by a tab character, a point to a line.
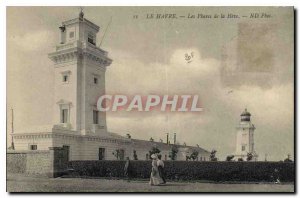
127	169
155	179
161	167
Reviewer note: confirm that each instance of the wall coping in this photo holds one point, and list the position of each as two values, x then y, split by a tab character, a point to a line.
26	151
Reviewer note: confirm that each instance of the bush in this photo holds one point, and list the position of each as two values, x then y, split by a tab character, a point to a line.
191	170
173	153
229	158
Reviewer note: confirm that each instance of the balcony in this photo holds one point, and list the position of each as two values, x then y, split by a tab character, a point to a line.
68	45
79	44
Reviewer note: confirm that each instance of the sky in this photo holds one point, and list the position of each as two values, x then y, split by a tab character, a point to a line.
237	64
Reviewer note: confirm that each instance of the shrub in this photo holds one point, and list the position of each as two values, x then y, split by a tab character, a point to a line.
194	155
249	156
213	156
173	153
135	155
229	158
191	170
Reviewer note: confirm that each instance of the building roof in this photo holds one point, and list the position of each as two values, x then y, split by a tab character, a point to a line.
199	149
146	143
164	146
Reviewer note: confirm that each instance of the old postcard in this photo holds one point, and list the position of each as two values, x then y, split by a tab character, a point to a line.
150	99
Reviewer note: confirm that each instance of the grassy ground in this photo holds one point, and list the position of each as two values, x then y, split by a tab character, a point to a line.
21	183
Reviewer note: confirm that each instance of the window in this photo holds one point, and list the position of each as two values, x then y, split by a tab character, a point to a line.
101	153
64	112
33	147
243	147
64	116
65	78
71	34
95	80
147	156
91	39
166	157
95	117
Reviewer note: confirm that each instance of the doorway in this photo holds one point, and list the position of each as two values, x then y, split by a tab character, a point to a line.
101	153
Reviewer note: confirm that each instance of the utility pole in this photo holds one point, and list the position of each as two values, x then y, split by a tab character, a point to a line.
12	129
168	138
174	138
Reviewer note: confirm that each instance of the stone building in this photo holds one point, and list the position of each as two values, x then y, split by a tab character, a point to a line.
245	137
79	73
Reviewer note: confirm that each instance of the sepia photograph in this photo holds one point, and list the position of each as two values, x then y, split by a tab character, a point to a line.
150	99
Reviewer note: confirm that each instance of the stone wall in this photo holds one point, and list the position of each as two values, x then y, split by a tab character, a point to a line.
16	162
51	163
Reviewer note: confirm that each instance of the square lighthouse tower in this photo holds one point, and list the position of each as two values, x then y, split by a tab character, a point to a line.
79	78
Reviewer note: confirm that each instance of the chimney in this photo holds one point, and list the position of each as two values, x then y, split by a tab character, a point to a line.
174	138
167	138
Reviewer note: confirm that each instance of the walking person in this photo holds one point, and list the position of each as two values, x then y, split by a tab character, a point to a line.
155	179
161	167
127	169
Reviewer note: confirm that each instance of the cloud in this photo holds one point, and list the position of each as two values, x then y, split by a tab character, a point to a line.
216	126
128	75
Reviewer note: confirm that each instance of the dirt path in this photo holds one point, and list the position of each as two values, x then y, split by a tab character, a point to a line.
21	183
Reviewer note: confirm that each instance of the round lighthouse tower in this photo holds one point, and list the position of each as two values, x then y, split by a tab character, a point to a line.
245	137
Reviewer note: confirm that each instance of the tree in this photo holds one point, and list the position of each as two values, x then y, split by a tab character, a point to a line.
240	160
154	150
213	155
249	156
229	158
194	155
173	153
135	155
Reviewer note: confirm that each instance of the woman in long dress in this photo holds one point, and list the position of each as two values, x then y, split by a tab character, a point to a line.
155	179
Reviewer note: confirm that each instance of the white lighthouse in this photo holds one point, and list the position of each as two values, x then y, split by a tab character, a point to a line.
245	138
79	67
